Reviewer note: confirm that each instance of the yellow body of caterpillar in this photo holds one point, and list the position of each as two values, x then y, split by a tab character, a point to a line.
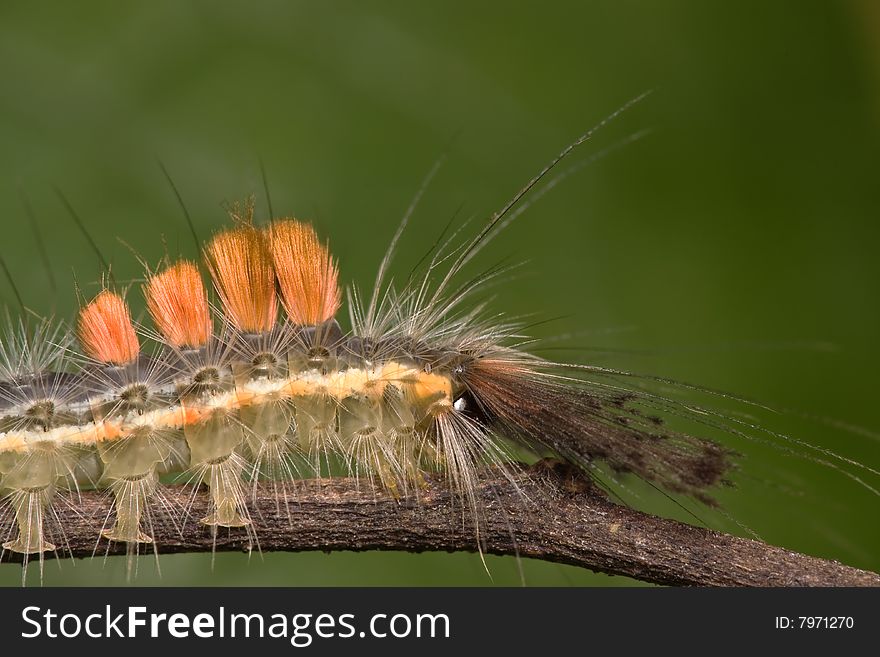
218	430
421	388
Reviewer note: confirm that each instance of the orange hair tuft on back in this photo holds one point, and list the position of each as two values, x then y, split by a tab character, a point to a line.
307	274
178	304
106	332
241	268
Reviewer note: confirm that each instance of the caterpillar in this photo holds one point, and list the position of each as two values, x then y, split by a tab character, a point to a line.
259	382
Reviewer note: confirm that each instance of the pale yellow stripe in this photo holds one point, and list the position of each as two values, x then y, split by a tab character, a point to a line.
420	388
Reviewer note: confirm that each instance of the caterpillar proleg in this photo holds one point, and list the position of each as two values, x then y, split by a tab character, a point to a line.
260	382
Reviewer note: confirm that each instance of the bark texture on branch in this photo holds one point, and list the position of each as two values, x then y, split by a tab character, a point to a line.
564	519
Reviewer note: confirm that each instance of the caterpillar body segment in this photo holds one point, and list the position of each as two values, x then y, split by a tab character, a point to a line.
39	402
226	425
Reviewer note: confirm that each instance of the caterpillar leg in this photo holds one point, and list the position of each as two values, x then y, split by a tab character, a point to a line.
130	468
29	507
269	438
132	496
370	450
406	440
227	497
30	478
317	437
213	444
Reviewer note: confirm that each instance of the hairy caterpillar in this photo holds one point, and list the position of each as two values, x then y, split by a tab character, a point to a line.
424	381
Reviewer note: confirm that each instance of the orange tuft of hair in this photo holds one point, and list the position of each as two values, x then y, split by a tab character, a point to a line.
106	332
307	274
178	304
241	268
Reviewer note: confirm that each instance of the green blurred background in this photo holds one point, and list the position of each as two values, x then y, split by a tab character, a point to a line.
736	246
